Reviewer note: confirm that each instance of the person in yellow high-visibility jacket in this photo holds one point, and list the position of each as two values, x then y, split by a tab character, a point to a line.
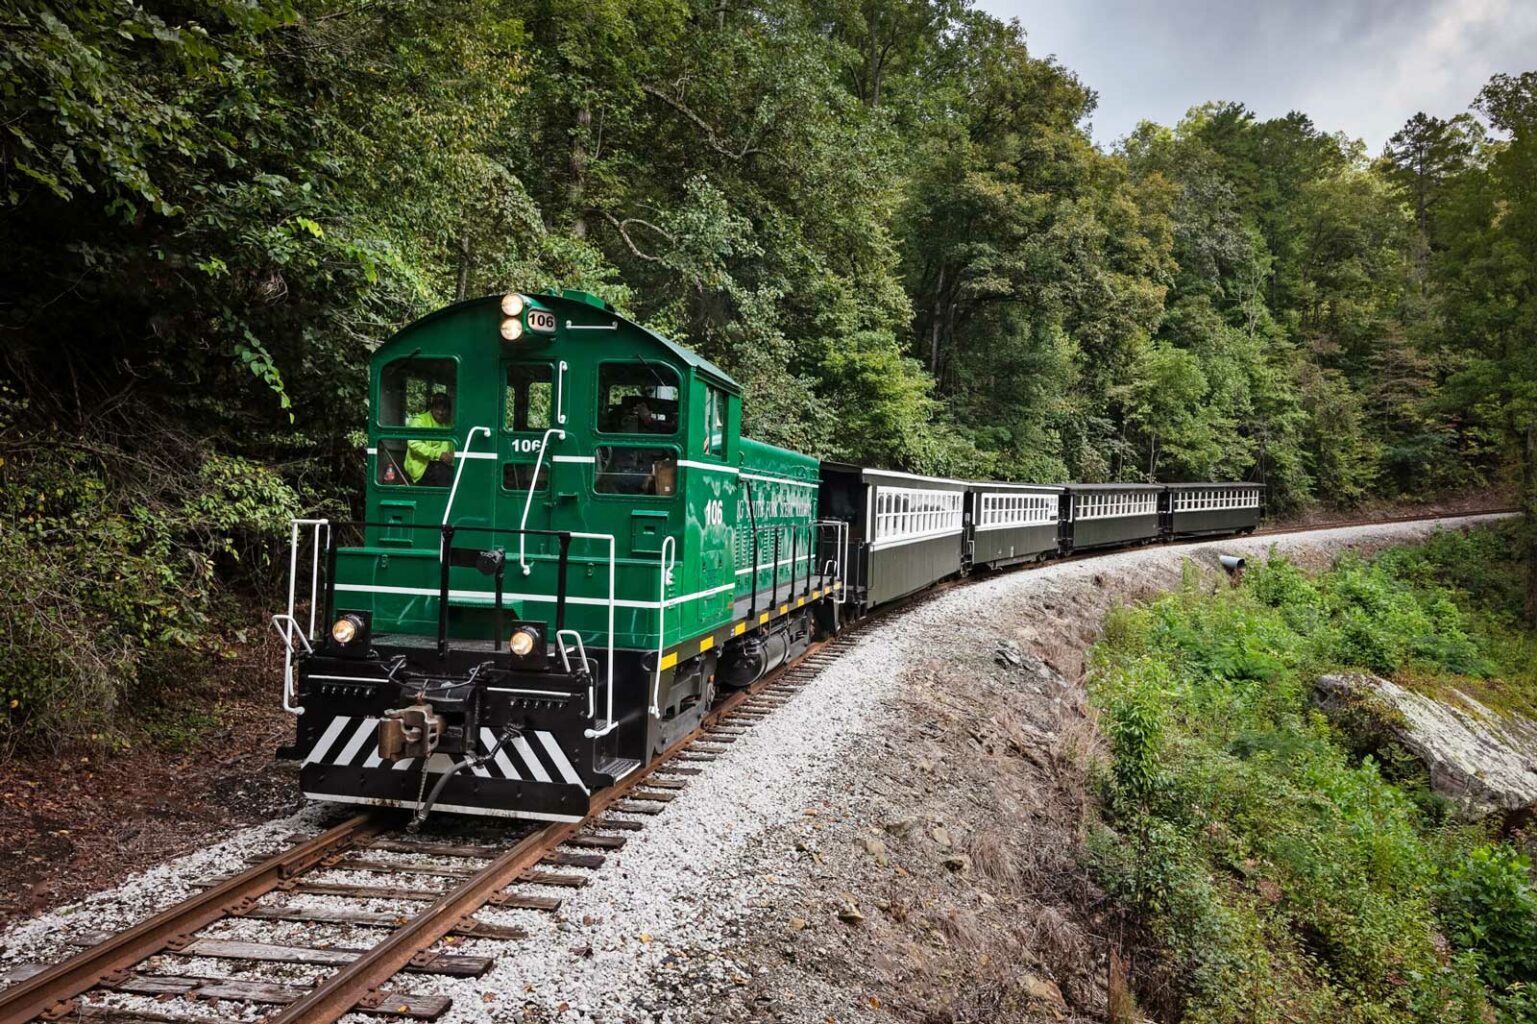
430	463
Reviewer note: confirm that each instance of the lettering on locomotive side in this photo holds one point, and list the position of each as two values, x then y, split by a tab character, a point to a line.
790	506
715	512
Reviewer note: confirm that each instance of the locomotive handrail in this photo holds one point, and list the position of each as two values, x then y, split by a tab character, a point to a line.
838	565
609	723
528	500
288	628
464	460
664	576
290	625
287	623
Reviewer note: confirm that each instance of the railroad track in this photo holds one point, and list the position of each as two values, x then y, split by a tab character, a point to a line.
364	979
365	976
1424	517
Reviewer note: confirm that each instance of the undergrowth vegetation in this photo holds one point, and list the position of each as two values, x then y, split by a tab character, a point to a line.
1275	872
125	564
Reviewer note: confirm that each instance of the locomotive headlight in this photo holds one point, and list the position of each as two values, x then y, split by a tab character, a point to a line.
512	304
523	642
512	328
345	629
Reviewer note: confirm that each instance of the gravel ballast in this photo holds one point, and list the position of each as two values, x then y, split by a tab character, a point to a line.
727	905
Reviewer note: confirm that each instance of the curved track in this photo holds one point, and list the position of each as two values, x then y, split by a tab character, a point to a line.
362	981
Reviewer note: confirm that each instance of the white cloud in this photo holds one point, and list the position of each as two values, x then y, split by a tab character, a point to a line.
1361	66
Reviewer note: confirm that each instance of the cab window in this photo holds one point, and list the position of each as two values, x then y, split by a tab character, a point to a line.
635	470
417	392
637	398
715	422
419	462
529	401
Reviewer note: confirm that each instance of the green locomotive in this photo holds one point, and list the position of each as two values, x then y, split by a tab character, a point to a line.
567	544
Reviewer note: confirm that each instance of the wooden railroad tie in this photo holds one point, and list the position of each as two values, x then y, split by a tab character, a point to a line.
413	1005
428	963
381	892
622	823
470	928
429	849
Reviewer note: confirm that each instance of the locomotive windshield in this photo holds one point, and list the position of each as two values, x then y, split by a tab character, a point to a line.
529	397
637	398
407	387
418	394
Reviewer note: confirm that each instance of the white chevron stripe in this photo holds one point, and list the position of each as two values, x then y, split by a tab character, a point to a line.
527	754
558	756
323	745
365	731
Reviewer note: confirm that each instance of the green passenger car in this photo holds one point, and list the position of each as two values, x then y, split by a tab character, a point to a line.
566	544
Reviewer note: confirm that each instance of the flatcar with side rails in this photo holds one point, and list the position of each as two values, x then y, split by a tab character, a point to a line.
567	547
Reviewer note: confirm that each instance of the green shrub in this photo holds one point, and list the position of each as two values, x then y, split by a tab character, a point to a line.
1282	873
1489	905
119	565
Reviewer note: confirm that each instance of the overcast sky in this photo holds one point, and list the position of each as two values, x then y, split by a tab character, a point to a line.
1361	66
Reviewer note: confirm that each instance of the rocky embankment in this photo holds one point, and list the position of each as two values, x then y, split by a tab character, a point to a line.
1483	760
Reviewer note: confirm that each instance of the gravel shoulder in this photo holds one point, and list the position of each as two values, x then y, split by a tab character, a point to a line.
899	842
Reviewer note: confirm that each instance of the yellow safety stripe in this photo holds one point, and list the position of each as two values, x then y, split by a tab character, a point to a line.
708	641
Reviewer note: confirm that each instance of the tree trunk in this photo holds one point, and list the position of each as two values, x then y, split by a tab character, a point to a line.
934	328
878	54
578	192
462	288
1529	518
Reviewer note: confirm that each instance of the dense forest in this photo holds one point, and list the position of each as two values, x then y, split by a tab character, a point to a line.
888	219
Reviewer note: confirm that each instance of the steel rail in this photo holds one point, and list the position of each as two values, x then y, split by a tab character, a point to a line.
359	982
54	988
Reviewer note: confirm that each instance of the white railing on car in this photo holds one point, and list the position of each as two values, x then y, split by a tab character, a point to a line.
608	716
841	546
464	459
528	499
286	624
664	576
297	637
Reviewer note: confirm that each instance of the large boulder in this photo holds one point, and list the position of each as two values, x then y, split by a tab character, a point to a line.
1484	760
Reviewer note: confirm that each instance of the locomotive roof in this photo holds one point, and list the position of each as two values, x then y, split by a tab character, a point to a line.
571	300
